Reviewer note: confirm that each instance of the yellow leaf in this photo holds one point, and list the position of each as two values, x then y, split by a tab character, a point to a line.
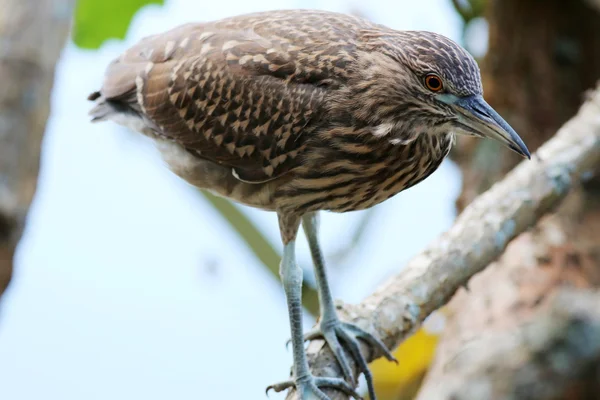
415	354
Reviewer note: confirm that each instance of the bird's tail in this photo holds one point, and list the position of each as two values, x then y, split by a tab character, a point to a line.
106	109
102	109
122	111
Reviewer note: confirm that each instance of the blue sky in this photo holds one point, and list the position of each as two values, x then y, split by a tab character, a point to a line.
129	286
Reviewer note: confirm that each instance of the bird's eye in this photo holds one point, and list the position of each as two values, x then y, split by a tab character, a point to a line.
433	83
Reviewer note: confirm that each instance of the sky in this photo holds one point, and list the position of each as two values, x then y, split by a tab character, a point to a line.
129	286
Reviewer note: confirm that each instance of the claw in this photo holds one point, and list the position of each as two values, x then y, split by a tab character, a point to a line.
334	332
354	348
373	341
309	389
332	339
278	387
338	384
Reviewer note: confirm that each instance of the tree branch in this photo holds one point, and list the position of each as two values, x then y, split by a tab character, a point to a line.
32	34
478	237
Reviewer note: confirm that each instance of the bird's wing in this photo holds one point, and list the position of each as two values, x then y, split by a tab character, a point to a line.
228	95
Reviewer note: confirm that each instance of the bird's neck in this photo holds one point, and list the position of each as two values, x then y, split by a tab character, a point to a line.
440	143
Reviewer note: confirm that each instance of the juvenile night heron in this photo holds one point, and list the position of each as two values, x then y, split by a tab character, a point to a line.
299	111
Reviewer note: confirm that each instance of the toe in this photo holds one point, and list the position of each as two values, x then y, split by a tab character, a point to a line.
334	344
372	340
354	348
310	391
281	386
342	336
309	387
338	384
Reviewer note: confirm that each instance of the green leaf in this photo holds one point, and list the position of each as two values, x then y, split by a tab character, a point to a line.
99	20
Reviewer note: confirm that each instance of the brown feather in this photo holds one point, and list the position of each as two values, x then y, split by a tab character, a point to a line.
319	110
230	95
294	111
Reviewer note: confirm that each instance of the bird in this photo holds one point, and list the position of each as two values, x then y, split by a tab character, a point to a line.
298	112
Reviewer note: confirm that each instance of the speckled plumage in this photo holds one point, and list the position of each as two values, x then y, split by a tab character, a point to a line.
289	101
299	111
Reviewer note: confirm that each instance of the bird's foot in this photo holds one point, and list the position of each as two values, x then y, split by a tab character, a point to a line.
340	335
308	387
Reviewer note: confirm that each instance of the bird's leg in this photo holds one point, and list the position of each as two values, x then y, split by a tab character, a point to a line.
334	331
305	383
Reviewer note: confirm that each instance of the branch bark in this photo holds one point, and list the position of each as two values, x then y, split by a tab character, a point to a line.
542	359
32	34
506	338
478	237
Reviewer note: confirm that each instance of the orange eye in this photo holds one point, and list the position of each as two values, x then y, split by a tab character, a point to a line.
433	83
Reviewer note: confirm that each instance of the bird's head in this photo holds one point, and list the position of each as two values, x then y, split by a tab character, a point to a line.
432	85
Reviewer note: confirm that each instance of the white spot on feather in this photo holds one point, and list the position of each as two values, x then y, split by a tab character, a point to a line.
149	67
230	44
139	83
169	49
383	129
205	35
184	42
205	48
245	59
147	53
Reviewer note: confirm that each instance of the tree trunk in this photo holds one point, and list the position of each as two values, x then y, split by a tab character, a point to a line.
32	35
543	56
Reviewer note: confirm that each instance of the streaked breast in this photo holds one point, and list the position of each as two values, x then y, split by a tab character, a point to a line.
353	173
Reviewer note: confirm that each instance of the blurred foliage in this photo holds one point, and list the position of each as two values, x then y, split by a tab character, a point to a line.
98	20
259	244
402	381
469	9
346	252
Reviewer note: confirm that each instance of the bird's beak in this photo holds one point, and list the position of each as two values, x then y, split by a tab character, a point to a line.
482	120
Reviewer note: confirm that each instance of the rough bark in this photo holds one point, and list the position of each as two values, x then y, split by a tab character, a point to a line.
32	34
478	237
552	356
543	55
483	345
